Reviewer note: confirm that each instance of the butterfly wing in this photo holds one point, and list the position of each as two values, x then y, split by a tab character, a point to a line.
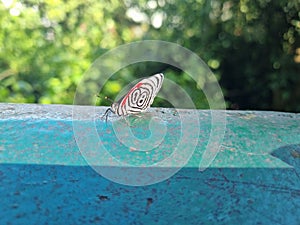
141	96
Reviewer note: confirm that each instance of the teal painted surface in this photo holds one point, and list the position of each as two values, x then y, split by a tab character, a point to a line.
34	194
46	180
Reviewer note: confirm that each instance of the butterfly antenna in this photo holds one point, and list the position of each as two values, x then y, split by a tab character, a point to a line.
107	98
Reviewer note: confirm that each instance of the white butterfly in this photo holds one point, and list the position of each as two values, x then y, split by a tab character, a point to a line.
139	98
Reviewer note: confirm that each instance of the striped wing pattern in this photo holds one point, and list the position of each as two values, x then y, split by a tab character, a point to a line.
140	97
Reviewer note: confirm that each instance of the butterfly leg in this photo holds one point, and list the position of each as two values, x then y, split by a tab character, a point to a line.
106	114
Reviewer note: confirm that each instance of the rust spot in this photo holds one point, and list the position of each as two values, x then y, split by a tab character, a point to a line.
250	201
295	154
149	201
103	197
132	149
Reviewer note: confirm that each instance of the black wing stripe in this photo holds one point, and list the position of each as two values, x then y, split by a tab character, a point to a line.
141	98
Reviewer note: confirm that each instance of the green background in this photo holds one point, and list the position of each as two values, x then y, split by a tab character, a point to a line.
253	47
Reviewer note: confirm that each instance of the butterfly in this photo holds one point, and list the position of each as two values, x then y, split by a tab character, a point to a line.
139	98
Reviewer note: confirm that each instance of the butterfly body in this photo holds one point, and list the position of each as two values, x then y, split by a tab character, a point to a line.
139	98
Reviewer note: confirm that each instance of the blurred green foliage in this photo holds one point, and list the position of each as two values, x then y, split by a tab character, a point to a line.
253	47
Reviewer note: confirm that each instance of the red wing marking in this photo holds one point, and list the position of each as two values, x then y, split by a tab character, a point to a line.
131	90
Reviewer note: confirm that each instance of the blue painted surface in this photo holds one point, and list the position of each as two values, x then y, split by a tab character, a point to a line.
35	194
45	179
